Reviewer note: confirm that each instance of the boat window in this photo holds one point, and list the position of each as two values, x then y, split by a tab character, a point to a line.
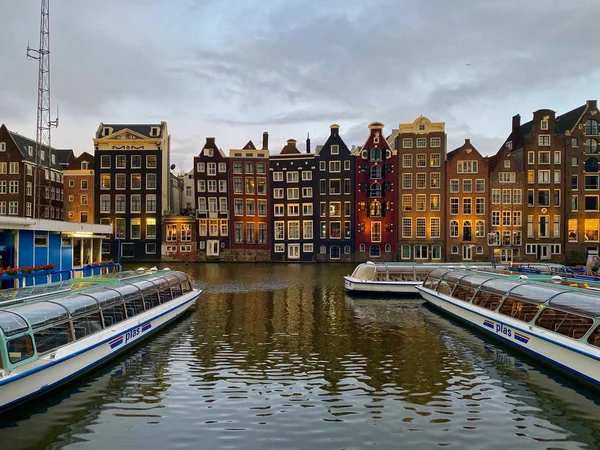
78	304
519	310
533	293
594	338
19	348
474	280
464	293
364	272
578	302
175	284
487	300
561	322
499	285
113	315
149	293
42	313
86	325
105	296
433	278
52	337
11	323
132	296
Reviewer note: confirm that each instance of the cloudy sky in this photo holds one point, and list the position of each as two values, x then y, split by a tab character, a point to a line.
235	68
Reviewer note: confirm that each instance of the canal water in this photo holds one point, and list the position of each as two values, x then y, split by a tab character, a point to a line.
277	356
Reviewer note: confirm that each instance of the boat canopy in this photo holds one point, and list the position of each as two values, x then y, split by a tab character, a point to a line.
560	297
62	306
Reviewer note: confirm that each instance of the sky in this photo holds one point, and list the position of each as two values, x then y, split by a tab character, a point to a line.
233	69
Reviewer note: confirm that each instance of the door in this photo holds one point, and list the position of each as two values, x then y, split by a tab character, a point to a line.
467	252
543	252
294	251
506	255
212	248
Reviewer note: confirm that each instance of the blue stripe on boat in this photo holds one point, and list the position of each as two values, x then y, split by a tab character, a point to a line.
489	324
116	342
521	338
146	327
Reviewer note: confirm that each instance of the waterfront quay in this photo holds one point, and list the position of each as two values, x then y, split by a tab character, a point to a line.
278	356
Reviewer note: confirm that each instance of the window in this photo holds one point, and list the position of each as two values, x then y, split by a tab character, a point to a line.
572	230
374	251
335	209
279	230
467	186
556	227
375	190
105	203
405	252
435	142
375	231
407	202
544	157
517	218
454	228
420	251
293	229
375	209
407	143
136	228
120	203
480	206
278	193
591	182
375	172
454	186
375	154
292	177
544	140
151	161
83	200
421	228
136	161
347	186
262	207
467	166
293	209
335	230
507	177
211	185
335	166
421	160
506	218
435	228
151	203
136	203
435	159
335	186
13	187
506	198
591	230
543	176
223	167
407	181
434	202
467	206
136	181
421	180
480	229
307	229
13	208
307	192
104	161
29	188
544	226
150	181
591	127
434	180
2	146
454	206
574	203
421	202
406	227
421	142
13	168
347	165
307	175
407	161
211	168
556	197
293	193
591	202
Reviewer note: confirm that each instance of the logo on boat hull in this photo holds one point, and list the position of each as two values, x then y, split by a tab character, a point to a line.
499	328
130	335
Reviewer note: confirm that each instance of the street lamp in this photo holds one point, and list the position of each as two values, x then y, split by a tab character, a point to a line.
493	242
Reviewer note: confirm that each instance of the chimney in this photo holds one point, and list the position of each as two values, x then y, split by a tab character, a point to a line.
516	130
307	143
591	104
335	129
210	142
467	141
265	140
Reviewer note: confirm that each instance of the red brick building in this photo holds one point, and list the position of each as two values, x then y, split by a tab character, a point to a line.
79	189
376	197
179	238
467	192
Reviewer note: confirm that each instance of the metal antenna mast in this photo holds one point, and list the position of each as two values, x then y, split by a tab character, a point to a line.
44	123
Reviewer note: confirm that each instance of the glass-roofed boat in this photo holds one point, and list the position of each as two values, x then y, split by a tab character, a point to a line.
52	333
559	324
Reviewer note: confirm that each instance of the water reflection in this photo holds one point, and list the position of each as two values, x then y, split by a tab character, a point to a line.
276	356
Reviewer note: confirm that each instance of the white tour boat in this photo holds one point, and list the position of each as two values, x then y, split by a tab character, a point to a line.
558	324
51	334
393	278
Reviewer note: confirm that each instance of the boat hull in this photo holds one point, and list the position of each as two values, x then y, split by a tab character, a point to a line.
567	354
356	285
68	362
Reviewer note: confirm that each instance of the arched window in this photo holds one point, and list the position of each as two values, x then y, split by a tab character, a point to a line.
591	165
375	250
375	154
467	230
375	191
480	229
362	247
591	146
347	250
454	228
479	250
323	249
375	172
454	250
591	127
388	248
375	210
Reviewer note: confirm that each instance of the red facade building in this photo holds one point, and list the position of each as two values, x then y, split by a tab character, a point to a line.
376	198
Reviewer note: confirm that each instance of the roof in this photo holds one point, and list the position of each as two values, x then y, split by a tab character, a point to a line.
76	163
22	143
290	148
569	119
65	157
141	128
249	146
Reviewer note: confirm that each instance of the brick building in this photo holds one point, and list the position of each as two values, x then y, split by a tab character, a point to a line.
335	200
467	192
179	238
211	176
421	204
376	194
249	208
79	189
293	186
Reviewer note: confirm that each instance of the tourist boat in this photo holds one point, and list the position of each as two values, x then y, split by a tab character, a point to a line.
540	269
393	278
63	330
558	324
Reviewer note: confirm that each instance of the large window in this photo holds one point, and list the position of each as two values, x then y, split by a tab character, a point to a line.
407	202
591	230
375	231
105	203
454	228
435	227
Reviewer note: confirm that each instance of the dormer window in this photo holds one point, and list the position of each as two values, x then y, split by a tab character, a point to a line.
421	127
85	165
509	145
544	125
2	146
106	131
154	131
209	152
375	154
